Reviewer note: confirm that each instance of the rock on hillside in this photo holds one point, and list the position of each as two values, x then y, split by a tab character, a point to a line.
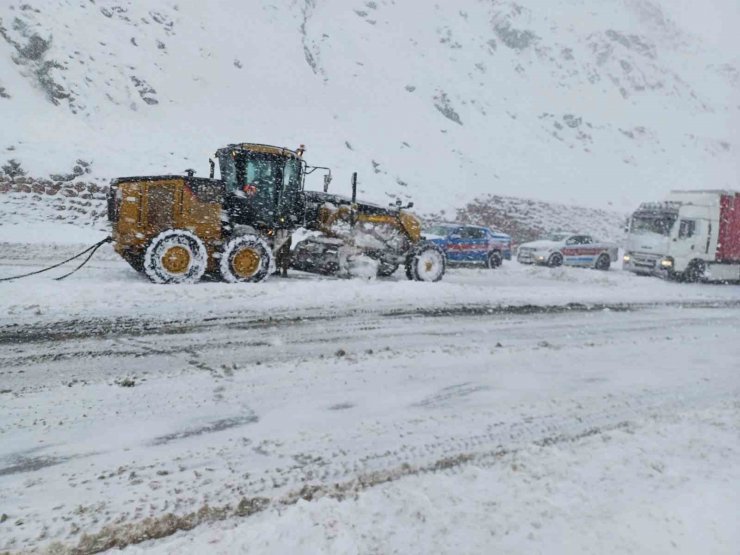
26	200
527	220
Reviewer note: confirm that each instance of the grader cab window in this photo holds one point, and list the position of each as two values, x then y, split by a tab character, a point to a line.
228	170
259	175
292	175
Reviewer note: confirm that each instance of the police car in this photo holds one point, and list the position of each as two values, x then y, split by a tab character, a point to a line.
470	244
571	249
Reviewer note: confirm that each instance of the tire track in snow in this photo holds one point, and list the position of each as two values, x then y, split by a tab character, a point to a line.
546	432
336	328
121	327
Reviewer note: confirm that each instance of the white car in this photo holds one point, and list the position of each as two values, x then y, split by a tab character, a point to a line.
571	249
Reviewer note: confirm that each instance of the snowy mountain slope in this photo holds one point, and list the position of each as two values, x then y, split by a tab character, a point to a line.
565	100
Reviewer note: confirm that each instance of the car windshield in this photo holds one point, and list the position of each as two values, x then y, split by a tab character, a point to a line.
557	236
659	223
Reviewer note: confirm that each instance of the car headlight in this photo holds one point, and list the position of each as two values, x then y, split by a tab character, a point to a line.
666	263
626	258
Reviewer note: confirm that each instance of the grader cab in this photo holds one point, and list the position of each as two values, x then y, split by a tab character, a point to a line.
176	229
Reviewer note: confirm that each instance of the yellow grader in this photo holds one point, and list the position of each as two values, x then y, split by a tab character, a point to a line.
176	229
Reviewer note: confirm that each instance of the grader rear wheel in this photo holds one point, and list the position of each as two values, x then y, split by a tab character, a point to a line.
175	256
245	259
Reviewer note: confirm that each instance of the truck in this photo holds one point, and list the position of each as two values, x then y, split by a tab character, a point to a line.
470	244
690	236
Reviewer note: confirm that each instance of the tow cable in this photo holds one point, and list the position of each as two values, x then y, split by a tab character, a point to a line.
91	249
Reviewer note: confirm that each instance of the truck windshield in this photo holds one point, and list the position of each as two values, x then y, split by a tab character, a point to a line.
441	231
660	224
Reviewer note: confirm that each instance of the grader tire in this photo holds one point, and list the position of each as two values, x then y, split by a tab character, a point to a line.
175	256
246	259
426	262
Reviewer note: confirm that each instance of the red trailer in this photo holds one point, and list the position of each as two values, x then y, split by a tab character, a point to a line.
728	244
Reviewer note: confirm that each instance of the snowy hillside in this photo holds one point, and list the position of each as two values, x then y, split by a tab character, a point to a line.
571	101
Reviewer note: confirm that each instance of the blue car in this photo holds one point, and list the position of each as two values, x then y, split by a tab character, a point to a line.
470	244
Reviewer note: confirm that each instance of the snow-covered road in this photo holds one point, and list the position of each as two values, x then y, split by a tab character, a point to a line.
131	411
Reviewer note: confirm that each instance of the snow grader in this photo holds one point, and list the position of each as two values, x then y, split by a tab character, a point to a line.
239	228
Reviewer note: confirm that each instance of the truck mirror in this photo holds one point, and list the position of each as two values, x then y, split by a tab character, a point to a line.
410	205
327	180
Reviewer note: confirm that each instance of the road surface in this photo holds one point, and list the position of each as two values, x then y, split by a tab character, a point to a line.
124	429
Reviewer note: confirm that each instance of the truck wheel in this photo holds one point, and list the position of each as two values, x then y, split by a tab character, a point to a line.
555	260
246	258
426	262
603	262
175	256
493	260
694	271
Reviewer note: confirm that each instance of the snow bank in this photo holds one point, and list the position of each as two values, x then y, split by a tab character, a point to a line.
110	290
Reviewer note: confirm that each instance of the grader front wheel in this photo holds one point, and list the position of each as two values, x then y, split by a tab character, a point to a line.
246	258
175	256
426	262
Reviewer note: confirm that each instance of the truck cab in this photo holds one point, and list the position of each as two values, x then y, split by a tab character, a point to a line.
691	235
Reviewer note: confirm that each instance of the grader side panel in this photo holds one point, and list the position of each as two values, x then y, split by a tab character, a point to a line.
144	207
